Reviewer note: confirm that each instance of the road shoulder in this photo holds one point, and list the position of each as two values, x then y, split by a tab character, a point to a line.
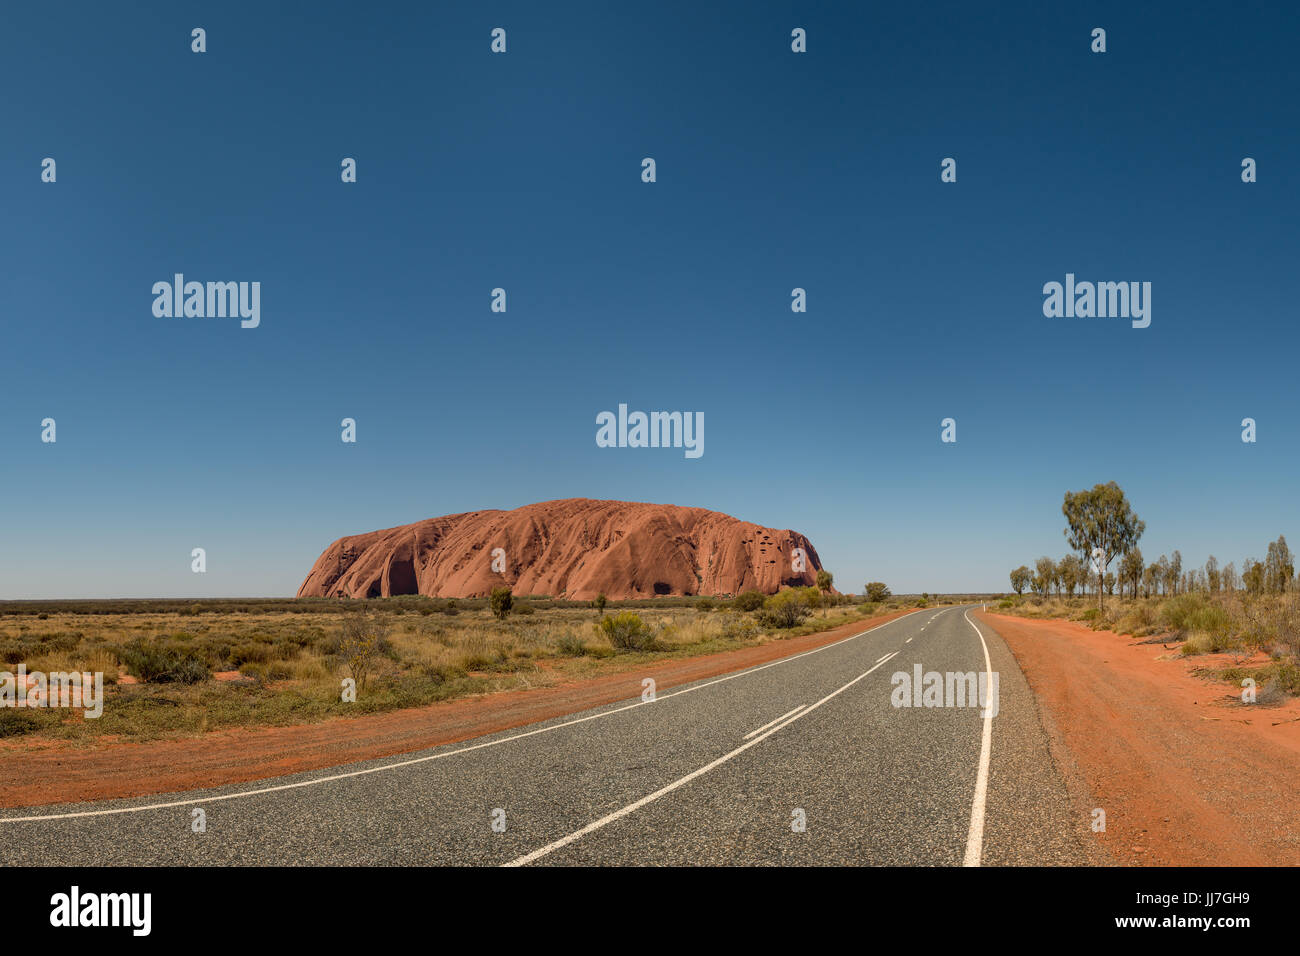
1185	775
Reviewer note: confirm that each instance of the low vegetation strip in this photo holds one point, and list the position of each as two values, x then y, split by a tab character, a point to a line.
51	773
1260	634
186	669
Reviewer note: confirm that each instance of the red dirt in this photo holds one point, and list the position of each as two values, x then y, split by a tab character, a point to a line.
59	773
1187	774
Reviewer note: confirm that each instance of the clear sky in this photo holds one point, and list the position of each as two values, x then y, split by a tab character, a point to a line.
522	170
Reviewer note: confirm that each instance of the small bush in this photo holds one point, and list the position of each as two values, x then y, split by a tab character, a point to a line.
785	610
250	653
571	645
363	640
15	723
748	600
157	664
737	627
627	632
442	673
1193	612
501	601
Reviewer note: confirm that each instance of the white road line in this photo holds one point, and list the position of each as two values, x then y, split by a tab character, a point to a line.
975	836
192	801
908	641
681	782
771	722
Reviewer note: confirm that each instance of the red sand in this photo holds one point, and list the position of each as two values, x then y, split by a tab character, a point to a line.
1187	774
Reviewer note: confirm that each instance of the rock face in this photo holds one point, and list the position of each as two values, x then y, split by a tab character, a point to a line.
575	548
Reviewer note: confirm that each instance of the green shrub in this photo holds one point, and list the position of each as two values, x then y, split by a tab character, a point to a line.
501	601
738	627
364	639
748	600
785	610
571	645
1193	612
442	673
15	723
627	632
250	653
158	664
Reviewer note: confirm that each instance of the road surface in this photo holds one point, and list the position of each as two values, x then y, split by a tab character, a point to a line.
722	771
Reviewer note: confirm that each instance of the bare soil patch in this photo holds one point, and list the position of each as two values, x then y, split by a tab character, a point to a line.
1187	774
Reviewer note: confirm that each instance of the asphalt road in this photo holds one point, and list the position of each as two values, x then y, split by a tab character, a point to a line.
716	772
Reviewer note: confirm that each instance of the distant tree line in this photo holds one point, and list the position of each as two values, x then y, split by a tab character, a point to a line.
1102	527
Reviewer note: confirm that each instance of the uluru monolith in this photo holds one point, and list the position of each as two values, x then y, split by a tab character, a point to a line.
574	548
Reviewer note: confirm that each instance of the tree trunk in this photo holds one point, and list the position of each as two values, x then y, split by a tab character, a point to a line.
1101	580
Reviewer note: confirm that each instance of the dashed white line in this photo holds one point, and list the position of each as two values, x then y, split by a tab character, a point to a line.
682	781
771	722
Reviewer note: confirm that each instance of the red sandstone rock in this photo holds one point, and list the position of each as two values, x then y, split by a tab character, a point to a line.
575	548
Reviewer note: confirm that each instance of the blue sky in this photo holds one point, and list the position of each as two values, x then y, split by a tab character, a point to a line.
522	170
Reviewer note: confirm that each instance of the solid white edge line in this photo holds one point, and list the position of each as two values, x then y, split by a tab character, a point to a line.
682	781
771	722
975	836
192	801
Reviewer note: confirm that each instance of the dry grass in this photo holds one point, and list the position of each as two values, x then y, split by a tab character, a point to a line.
292	660
1235	623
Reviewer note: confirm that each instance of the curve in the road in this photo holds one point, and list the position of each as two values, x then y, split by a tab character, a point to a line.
318	781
